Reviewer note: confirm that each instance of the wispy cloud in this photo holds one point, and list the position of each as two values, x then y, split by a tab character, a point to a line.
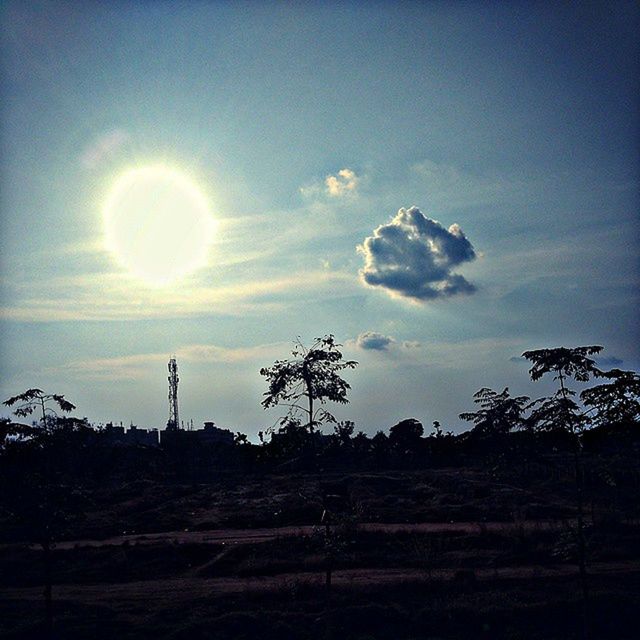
139	366
103	148
116	296
447	186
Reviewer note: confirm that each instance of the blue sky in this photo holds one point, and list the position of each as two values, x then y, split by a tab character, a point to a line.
308	126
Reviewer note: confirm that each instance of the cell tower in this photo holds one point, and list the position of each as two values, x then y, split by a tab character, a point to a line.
173	423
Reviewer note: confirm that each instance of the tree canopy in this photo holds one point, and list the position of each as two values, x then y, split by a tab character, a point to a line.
312	375
498	413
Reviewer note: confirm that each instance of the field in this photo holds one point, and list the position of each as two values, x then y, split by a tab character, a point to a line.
441	553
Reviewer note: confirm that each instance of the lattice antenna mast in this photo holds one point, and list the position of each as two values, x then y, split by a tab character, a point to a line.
173	422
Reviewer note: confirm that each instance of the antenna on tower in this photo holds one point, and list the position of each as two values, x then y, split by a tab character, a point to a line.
173	424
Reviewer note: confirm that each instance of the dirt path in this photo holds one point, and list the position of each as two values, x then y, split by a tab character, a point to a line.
249	536
176	590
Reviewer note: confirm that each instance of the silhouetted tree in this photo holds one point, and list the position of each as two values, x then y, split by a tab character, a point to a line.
38	492
440	444
312	375
617	401
380	447
33	399
343	432
405	436
560	410
437	430
499	413
290	440
361	444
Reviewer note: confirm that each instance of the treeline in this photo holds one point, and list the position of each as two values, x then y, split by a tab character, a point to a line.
75	449
505	429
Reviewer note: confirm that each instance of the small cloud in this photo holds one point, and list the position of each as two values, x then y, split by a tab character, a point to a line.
518	359
609	361
103	148
413	256
346	182
373	341
412	344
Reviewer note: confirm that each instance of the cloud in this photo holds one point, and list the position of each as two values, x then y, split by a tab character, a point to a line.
450	187
140	365
104	147
374	341
413	256
344	183
117	296
370	340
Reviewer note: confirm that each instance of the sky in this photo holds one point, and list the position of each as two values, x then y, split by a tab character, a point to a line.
441	185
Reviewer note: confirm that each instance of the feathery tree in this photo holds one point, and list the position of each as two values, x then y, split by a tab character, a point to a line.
36	399
560	410
617	401
499	413
37	495
311	376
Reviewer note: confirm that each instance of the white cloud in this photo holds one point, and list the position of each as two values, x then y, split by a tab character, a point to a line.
413	256
346	182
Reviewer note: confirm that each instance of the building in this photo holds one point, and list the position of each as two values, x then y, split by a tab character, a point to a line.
209	436
116	434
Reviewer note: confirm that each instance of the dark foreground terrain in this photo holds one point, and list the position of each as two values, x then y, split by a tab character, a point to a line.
441	553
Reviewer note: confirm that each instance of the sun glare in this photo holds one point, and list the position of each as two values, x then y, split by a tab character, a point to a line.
157	224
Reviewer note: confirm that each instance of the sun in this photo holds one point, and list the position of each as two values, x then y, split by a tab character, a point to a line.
157	224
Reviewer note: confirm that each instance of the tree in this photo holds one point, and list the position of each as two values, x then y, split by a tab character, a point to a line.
37	493
499	413
405	436
311	376
343	432
561	411
617	401
33	399
380	448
